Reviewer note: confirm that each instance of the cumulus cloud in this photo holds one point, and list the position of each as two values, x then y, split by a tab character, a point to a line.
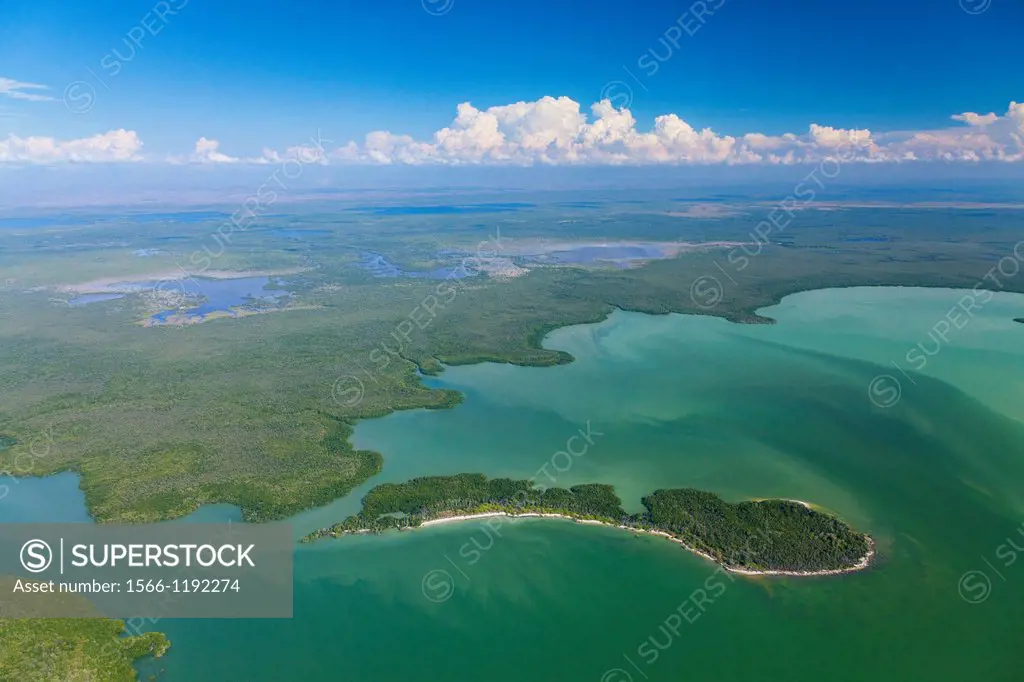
113	146
207	151
555	131
973	119
987	137
24	91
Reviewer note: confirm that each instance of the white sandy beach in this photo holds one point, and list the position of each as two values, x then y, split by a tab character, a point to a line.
860	565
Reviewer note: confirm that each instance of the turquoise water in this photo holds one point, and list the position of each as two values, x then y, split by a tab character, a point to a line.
53	499
745	411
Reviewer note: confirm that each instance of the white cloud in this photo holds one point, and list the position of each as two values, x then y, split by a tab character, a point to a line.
973	119
17	90
113	146
556	131
987	137
207	151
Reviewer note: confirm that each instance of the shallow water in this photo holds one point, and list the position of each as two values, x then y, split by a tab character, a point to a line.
745	411
220	295
217	295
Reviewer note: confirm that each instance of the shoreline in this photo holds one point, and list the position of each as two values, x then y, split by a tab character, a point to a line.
184	320
537	342
863	563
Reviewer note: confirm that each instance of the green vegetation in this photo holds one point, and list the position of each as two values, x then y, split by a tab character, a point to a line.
168	479
82	649
770	535
73	650
399	505
763	535
1019	319
257	411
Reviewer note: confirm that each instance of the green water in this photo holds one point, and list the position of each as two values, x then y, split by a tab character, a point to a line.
745	411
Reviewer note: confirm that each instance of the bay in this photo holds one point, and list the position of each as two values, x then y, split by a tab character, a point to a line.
746	411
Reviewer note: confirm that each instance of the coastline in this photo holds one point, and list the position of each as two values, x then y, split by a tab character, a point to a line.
863	563
750	315
807	505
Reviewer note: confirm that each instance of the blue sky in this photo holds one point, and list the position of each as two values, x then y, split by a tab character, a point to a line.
268	74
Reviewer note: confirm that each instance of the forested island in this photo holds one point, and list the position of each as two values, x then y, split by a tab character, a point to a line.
762	537
1019	319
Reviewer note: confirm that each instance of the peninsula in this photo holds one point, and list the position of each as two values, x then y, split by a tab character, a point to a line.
765	537
79	648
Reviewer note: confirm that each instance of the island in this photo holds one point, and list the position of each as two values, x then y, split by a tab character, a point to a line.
81	648
73	649
763	537
1019	319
